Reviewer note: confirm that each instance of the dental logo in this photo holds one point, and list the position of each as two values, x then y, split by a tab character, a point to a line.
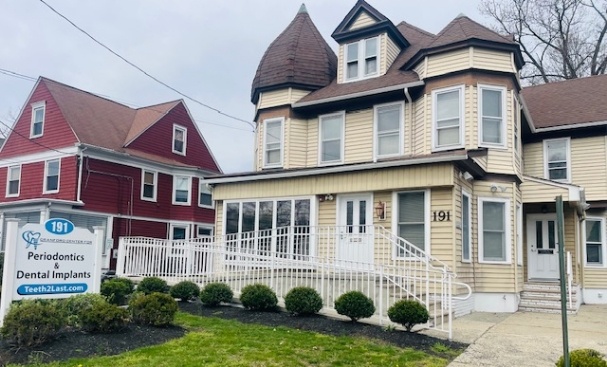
31	238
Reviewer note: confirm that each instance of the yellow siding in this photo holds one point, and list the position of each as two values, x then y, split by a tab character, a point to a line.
595	278
392	51
218	217
448	62
386	197
492	60
376	180
363	20
312	144
259	145
340	64
297	148
535	192
420	69
326	217
382	54
419	145
464	271
590	173
359	136
501	160
280	97
442	233
471	120
297	94
533	160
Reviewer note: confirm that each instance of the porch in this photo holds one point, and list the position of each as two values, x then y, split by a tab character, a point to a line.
332	260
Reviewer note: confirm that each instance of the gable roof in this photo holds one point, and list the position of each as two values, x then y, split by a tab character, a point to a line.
146	117
569	102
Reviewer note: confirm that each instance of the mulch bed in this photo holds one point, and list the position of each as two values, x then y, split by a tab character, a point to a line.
82	345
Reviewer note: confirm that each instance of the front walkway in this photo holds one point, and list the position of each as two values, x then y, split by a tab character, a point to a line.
527	339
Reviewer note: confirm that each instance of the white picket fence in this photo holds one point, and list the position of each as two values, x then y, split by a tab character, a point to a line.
332	260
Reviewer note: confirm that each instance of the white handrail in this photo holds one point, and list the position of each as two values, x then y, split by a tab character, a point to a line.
569	277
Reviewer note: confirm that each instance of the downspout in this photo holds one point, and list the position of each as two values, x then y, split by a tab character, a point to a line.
410	102
80	169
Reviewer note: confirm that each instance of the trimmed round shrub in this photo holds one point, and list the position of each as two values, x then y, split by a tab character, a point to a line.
104	317
185	291
355	305
129	283
152	284
583	358
157	309
116	290
408	313
258	297
30	323
214	293
73	306
303	301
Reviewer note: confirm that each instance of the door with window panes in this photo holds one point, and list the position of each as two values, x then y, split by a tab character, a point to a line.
542	247
355	237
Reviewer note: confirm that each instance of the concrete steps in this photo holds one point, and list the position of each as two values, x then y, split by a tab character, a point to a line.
545	297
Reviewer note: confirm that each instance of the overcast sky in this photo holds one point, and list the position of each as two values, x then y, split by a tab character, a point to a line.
206	49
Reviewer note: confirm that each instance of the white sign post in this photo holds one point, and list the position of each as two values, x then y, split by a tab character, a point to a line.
50	260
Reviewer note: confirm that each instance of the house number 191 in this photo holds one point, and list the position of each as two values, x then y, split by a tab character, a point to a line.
441	216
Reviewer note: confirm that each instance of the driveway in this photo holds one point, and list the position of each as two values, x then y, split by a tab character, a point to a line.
527	339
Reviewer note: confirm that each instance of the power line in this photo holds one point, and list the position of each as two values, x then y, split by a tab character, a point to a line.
145	72
17	75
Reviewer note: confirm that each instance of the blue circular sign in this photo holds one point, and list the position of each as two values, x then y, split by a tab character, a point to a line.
59	226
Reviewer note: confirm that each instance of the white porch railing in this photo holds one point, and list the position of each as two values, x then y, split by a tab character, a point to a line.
332	260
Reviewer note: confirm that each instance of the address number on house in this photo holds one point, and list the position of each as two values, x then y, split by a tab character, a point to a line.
441	216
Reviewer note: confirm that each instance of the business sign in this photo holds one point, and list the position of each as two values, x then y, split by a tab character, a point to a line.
53	260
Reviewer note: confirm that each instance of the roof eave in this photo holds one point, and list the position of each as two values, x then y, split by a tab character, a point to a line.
377	28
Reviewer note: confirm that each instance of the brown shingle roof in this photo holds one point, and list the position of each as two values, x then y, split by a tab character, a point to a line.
146	117
568	102
463	28
299	56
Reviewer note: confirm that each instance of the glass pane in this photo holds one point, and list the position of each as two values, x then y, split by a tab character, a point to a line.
53	168
206	199
492	103
52	183
539	235
448	136
182	183
411	207
331	127
492	130
557	150
414	233
202	231
15	173
447	105
37	128
371	66
558	174
273	132
148	191
179	134
273	156
283	214
352	51
331	151
232	215
593	231
352	69
594	254
148	178
388	119
248	217
13	187
388	144
465	228
349	215
181	196
302	212
179	233
371	47
38	115
551	235
494	246
362	212
266	213
493	216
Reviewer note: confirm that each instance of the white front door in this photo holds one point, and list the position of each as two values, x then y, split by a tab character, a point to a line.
355	230
542	247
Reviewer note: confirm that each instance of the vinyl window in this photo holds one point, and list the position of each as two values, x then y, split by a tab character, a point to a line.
494	246
492	112
412	220
388	130
38	112
149	184
595	241
51	176
448	118
331	138
273	142
180	138
13	181
557	164
181	190
205	197
362	59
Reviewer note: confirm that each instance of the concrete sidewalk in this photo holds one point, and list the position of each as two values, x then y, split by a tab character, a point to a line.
527	339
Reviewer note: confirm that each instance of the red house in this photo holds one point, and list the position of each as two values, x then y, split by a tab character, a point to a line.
136	172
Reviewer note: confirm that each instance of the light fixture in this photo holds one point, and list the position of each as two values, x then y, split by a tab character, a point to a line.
380	210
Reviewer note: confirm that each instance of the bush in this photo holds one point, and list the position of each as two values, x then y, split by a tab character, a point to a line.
104	317
258	297
30	323
215	293
73	306
152	284
355	305
408	313
583	358
303	301
117	290
157	309
185	291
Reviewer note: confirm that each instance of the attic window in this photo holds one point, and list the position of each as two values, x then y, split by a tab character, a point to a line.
362	59
38	111
180	135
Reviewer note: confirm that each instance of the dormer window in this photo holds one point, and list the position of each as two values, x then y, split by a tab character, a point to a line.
362	59
37	127
180	135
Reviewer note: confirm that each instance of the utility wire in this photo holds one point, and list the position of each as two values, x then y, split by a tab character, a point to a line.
143	71
17	75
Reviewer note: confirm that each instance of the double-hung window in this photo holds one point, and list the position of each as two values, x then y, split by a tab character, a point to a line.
492	124
149	183
448	119
13	180
595	241
388	130
272	145
331	138
557	160
181	190
38	112
411	220
51	176
205	197
362	59
180	138
494	246
466	227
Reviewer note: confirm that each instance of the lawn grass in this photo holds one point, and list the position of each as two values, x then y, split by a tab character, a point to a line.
218	342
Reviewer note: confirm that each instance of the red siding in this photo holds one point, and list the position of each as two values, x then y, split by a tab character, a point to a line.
158	139
32	181
56	131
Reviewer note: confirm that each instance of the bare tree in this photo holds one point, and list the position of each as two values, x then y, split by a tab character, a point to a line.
560	39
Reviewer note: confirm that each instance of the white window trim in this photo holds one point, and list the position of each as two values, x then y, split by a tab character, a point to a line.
361	60
342	114
401	134
568	152
427	224
36	106
46	163
189	190
155	194
603	243
467	194
185	139
265	129
507	229
479	109
462	123
516	119
202	184
519	233
8	179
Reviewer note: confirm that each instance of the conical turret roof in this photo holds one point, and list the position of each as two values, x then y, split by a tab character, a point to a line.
298	57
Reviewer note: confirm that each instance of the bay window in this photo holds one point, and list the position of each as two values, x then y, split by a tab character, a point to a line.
448	118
